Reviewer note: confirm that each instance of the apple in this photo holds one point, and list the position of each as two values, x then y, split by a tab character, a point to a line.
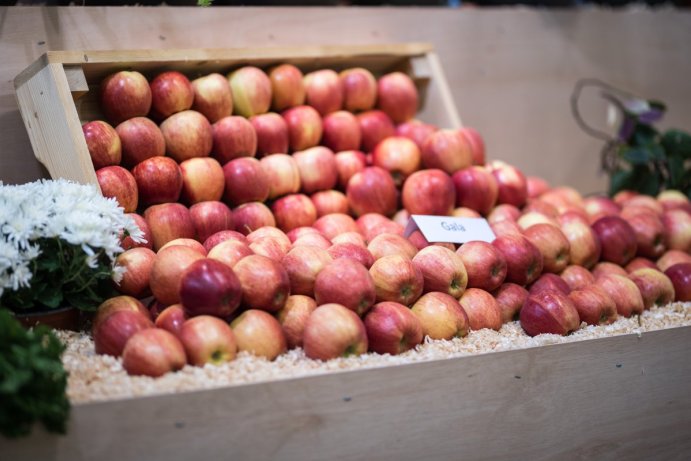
577	277
549	281
348	163
303	264
270	247
624	292
672	257
441	316
283	174
124	95
644	201
680	276
429	192
464	212
540	206
359	89
233	137
222	236
536	186
251	216
649	232
316	240
372	224
265	282
317	168
118	183
251	89
209	287
351	251
553	245
505	227
271	232
624	195
396	278
167	272
304	127
115	304
375	125
594	305
392	328
419	241
334	224
329	201
677	229
639	263
476	189
230	252
604	267
202	180
513	187
446	150
168	221
293	210
533	217
333	331
111	334
477	144
103	143
549	312
189	243
259	333
397	96
672	199
272	133
208	339
245	181
153	352
510	298
171	92
585	245
209	218
346	282
398	155
351	237
137	264
212	96
415	130
442	270
171	318
617	239
323	91
597	206
187	134
372	191
126	241
140	139
482	309
387	243
485	265
287	87
656	288
159	180
341	131
523	259
293	318
503	212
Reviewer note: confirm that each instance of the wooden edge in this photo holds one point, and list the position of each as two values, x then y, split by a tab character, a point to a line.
446	98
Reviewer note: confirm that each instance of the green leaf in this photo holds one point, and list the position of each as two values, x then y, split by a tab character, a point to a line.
50	298
675	166
644	135
620	180
645	181
637	156
677	143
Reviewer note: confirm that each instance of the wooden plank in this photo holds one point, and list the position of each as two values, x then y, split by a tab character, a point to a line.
611	398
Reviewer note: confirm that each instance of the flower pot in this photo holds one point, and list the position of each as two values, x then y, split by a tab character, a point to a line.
64	318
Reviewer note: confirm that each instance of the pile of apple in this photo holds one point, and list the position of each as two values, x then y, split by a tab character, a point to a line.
273	205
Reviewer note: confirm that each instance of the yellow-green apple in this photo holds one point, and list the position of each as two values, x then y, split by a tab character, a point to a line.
323	91
604	267
212	96
372	224
233	137
265	283
536	186
153	352
617	239
333	331
623	292
503	212
351	251
329	201
341	131
171	92
230	251
388	243
477	144
245	181
442	270
550	312
397	96
375	125
577	277
159	180
168	221
639	263
293	210
283	174
655	287
523	259
671	199
553	245
372	191
103	143
171	318
115	304
251	89
415	130
287	88
272	133
348	163
485	265
140	139
127	242
510	298
118	183
188	242
441	316
210	217
392	328
513	187
594	305
137	264
476	189
251	216
347	282
208	339
187	134
671	257
124	95
210	287
359	89
352	237
429	192
585	245
649	232
316	239
677	229
169	266
398	155
597	206
259	333
446	150
396	278
111	334
202	180
317	168
304	127
549	281
303	264
293	318
482	309
334	224
680	275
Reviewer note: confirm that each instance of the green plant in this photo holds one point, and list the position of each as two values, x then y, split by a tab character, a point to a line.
32	379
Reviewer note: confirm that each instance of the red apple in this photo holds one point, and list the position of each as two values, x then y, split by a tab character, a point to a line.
441	316
209	218
304	127
352	251
334	224
126	243
553	245
171	92
623	292
649	232
260	334
159	180
645	201
189	243
359	89
594	305
124	95
656	288
272	133
115	304
333	331
354	238
415	130
293	318
118	183
677	229
617	239
482	309
265	283
672	199
103	142
442	270
270	247
464	212
341	131
577	277
505	227
251	89
429	192
597	206
536	186
640	263
387	243
317	167
230	252
251	216
245	181
202	180
372	191
397	96
294	210
187	134
169	266
672	257
347	282
233	137
392	328
348	163
324	91
208	339
283	174
372	224
510	298
212	96
549	312
585	245
171	318
604	267
476	189
503	212
680	275
477	144
222	236
398	155
168	221
140	139
303	264
210	287
513	187
137	263
329	201
153	352
485	265
375	125
287	88
446	150
549	281
111	334
540	206
315	239
523	259
396	278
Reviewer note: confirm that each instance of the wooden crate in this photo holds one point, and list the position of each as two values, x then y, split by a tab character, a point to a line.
59	91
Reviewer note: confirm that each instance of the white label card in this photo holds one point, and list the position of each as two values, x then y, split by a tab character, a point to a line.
449	229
